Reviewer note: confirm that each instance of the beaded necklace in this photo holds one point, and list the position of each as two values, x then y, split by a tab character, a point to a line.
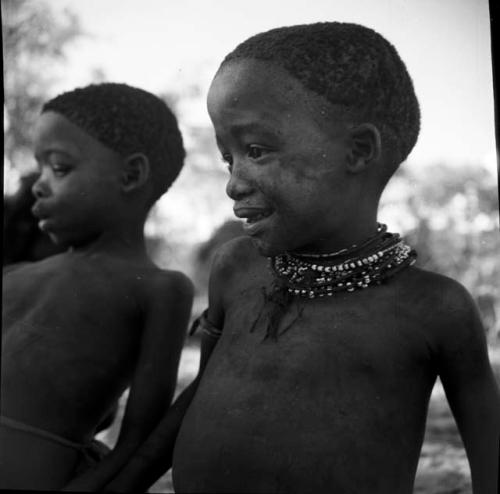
321	275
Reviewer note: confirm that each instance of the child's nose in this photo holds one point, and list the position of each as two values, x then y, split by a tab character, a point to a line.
40	188
239	186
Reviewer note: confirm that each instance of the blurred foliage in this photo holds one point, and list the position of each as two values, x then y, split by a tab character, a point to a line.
34	38
455	210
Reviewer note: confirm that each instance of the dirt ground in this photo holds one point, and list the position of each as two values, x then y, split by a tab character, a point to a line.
443	466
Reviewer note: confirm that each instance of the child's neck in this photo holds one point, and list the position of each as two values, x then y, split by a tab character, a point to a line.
127	243
344	240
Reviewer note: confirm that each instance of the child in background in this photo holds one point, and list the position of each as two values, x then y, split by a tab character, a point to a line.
82	326
322	341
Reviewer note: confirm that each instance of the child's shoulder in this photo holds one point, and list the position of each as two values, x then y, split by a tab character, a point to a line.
443	305
236	256
156	281
436	289
144	278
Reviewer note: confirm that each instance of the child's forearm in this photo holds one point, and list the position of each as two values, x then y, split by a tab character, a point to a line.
154	457
96	478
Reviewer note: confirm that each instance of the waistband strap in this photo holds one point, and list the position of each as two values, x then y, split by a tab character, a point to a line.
30	429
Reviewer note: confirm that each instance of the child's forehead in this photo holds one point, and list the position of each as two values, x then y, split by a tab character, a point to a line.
52	126
250	76
54	131
263	85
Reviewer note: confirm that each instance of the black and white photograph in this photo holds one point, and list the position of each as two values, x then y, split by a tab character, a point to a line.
250	247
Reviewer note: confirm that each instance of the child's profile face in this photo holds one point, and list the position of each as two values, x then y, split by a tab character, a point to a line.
78	188
288	178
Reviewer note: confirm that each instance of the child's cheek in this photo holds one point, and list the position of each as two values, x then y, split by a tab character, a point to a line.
302	167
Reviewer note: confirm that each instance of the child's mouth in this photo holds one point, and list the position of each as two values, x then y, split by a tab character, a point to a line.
254	218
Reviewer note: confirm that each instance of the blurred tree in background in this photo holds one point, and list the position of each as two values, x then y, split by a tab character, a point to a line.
34	39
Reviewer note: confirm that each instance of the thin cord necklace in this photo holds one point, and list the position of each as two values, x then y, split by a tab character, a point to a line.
320	275
381	229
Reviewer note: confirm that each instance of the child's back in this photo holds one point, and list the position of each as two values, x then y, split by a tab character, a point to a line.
82	326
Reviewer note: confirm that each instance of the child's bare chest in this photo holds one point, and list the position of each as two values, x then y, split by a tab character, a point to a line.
342	378
371	333
76	313
67	333
68	294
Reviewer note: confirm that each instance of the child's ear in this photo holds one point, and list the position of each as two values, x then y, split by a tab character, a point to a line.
136	171
366	147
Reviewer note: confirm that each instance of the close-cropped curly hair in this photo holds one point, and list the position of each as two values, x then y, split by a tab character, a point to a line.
353	67
127	120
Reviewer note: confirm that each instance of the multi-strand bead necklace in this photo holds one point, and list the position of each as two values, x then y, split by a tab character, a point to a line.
321	275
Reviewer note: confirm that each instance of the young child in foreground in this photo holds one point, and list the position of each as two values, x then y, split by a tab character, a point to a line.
82	326
325	341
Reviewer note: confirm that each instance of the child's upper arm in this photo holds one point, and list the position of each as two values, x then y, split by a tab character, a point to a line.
166	309
469	383
166	300
229	262
156	453
225	265
462	349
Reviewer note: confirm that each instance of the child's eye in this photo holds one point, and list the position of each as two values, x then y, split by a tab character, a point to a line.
227	158
60	169
255	152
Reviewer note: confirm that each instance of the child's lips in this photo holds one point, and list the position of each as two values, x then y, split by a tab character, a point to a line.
39	211
42	215
44	223
255	218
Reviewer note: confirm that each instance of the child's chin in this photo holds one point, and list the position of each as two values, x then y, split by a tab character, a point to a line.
56	239
62	240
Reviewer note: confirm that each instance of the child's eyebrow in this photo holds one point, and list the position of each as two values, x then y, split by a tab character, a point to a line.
258	127
39	154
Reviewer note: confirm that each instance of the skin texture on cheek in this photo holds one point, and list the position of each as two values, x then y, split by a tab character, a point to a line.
309	172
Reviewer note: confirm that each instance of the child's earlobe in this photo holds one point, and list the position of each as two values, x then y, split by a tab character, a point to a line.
366	147
136	171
